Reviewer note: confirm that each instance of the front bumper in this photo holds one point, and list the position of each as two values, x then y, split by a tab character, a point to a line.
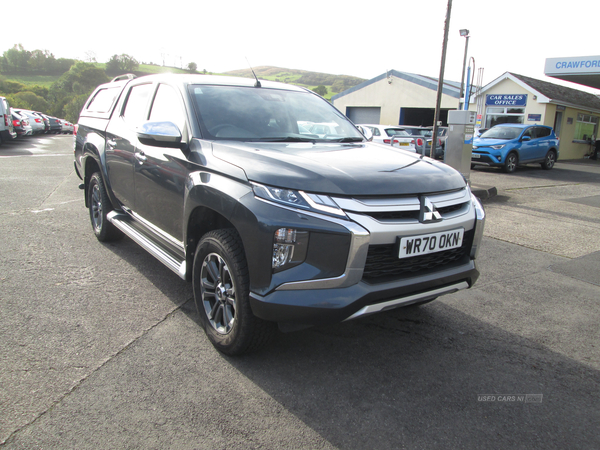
323	306
487	159
356	291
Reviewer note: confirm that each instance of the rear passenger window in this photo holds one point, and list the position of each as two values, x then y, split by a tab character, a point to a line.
542	132
137	101
103	100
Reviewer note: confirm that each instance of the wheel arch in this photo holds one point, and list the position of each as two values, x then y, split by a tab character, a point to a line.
202	220
90	166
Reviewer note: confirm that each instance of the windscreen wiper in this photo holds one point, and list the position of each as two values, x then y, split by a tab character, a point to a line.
346	139
284	139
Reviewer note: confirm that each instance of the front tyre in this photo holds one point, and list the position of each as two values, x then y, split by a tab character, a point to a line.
100	206
511	163
221	293
549	160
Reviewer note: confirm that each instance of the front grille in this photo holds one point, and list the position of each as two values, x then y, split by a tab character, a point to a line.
449	209
382	216
395	215
384	265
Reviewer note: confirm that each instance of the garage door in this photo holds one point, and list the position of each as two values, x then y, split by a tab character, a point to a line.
362	114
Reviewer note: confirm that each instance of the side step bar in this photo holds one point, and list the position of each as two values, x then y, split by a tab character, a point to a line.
122	222
405	301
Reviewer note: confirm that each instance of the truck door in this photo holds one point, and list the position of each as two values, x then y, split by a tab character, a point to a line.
161	172
121	142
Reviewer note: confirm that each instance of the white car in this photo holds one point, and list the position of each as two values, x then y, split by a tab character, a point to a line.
36	122
393	135
21	124
67	127
325	129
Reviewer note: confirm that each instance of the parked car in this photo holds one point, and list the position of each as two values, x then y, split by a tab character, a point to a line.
36	122
67	127
55	125
45	120
7	130
272	226
442	133
393	135
509	145
21	124
325	129
426	134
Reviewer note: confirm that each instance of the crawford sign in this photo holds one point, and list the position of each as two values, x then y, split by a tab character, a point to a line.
506	100
577	65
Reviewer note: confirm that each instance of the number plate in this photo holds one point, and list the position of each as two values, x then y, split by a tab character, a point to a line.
403	143
475	156
430	243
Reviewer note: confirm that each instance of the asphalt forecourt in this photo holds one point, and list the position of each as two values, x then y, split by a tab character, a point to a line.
100	345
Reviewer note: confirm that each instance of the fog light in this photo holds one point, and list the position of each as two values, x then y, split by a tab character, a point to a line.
499	158
289	248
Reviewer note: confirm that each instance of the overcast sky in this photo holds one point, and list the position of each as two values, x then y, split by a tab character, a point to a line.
339	37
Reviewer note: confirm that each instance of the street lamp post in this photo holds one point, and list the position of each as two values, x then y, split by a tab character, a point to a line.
465	34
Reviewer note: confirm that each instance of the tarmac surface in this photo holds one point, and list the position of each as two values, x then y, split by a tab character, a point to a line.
100	346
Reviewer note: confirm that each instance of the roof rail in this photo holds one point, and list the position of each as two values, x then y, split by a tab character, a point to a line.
127	76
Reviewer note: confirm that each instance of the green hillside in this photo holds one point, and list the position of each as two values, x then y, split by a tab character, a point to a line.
39	81
334	83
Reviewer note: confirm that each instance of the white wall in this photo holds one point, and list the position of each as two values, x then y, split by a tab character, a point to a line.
393	96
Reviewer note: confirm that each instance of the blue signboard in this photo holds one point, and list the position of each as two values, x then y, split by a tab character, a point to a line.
506	100
534	117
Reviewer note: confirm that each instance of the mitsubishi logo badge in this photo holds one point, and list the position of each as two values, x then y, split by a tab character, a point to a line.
428	212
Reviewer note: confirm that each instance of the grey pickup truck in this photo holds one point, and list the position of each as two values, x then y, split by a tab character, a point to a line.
223	181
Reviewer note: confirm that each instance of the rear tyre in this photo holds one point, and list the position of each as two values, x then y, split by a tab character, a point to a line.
511	163
549	160
221	293
100	206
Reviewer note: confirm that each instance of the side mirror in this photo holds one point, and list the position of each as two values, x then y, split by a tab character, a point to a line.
366	132
526	138
159	134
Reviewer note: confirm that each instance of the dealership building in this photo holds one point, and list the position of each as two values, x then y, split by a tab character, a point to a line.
407	99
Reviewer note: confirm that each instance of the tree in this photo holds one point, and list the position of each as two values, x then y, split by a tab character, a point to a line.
28	100
15	60
80	80
74	107
192	67
129	63
113	65
123	63
321	90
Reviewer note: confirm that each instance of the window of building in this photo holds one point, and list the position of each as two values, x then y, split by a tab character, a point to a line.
585	127
497	115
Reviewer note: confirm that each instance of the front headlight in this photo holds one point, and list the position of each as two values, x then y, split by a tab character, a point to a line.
298	199
498	147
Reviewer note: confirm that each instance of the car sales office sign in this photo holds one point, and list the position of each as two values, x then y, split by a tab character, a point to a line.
506	100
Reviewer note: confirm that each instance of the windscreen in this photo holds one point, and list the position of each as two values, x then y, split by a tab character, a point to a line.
501	133
396	132
271	115
419	132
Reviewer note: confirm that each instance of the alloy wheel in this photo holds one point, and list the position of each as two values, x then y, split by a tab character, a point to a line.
218	293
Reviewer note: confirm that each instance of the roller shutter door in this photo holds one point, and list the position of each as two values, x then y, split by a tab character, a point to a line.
363	114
